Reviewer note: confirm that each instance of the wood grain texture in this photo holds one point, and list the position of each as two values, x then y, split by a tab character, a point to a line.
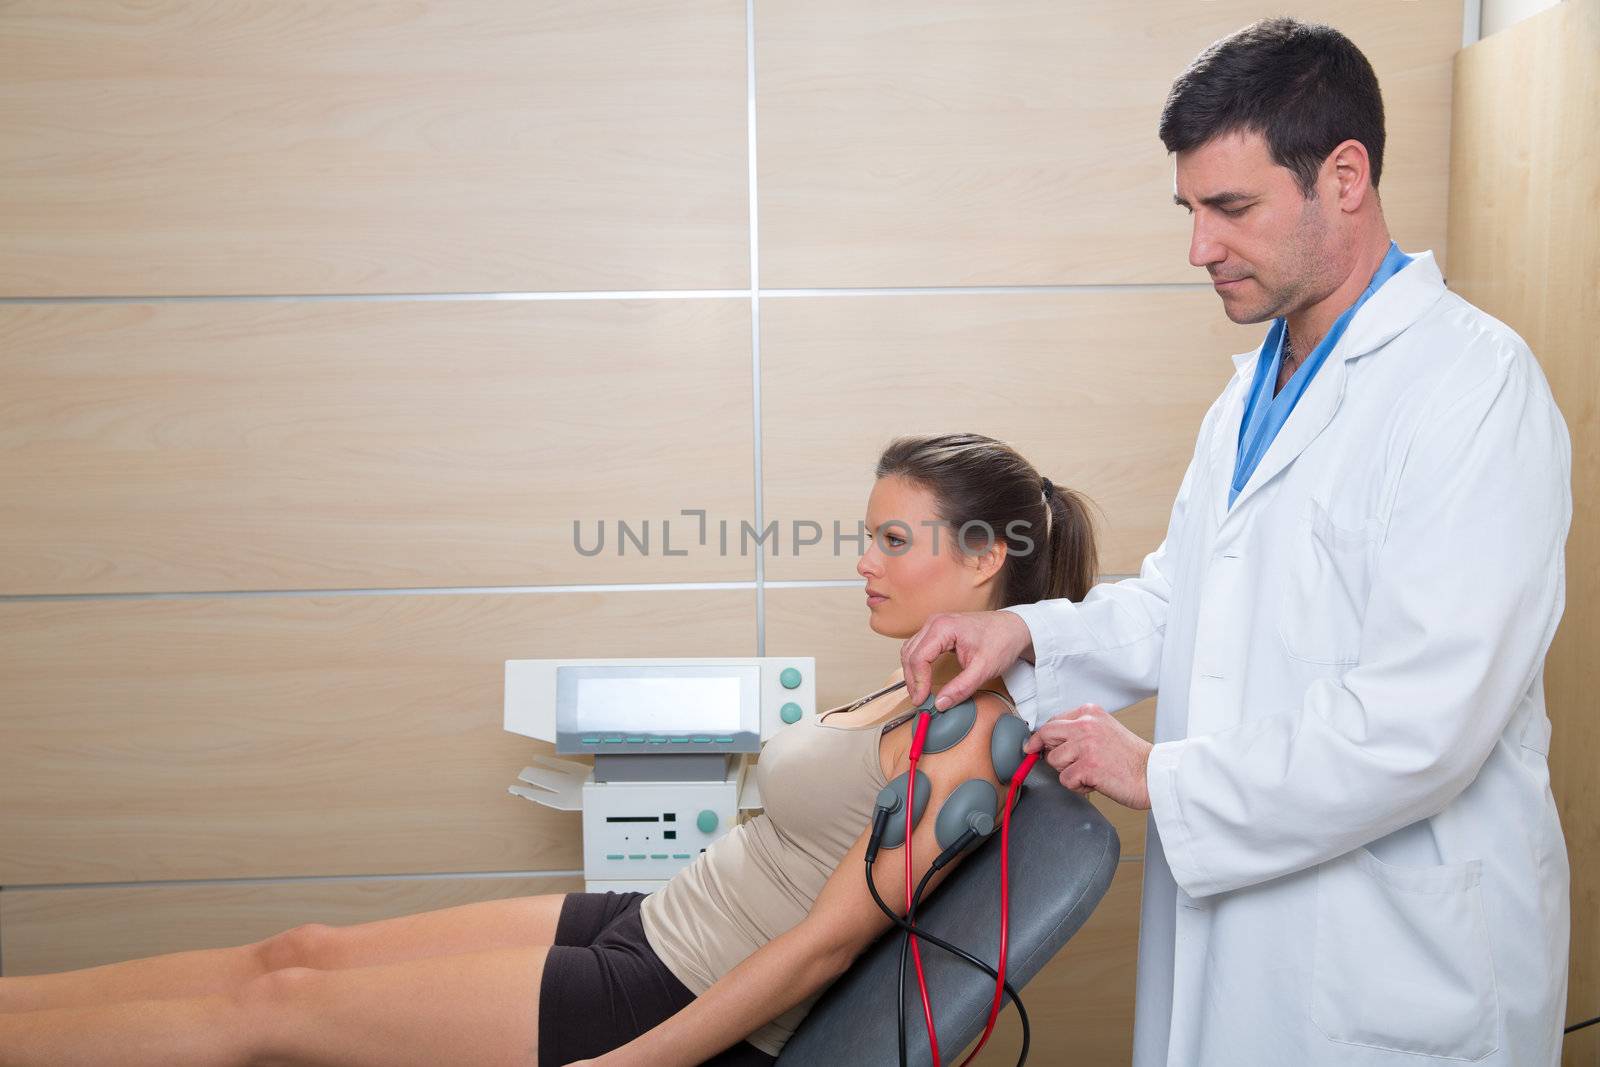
149	740
243	146
228	445
935	142
47	930
1103	392
853	660
1525	247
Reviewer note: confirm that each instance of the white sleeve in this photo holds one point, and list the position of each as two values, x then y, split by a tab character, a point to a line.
1468	588
1106	648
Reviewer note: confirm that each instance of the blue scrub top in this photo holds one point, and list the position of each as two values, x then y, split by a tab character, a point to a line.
1265	414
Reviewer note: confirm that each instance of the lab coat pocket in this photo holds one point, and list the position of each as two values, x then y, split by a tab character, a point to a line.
1325	589
1402	958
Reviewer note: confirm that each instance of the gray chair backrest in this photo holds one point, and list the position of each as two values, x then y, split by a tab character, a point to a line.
1063	856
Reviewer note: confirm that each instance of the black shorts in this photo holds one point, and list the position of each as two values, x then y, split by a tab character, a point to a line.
604	985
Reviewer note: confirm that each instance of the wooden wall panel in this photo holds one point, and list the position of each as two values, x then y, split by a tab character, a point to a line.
918	143
244	146
1103	392
853	660
1525	247
245	445
47	930
246	737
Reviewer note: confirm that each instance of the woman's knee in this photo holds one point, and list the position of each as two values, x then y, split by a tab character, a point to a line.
270	1008
307	946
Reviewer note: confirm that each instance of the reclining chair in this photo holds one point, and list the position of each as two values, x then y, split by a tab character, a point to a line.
1063	856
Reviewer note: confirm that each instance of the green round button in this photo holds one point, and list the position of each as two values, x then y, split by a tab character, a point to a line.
790	678
707	821
790	713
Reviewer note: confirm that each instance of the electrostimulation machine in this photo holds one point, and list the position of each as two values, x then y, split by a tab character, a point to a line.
672	742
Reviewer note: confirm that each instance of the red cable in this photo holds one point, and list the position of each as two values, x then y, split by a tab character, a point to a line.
1005	903
916	955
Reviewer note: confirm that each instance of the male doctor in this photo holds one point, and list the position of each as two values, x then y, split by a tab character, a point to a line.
1353	855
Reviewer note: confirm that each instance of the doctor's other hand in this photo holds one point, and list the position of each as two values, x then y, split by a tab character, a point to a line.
985	643
1094	753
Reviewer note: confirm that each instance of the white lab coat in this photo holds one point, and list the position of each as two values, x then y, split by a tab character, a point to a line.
1353	854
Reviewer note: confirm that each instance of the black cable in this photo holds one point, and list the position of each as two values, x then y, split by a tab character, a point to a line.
939	942
900	979
905	945
1580	1026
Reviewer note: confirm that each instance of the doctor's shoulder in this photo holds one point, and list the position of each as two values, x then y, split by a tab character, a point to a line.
1466	343
1463	389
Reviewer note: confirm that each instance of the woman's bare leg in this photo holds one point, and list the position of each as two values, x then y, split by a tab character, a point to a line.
479	1008
517	922
195	1032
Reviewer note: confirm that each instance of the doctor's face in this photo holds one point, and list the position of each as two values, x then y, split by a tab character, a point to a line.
912	568
1267	248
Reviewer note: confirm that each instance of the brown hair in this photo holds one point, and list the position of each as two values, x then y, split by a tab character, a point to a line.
979	481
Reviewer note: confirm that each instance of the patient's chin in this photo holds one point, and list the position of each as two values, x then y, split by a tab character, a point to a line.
888	628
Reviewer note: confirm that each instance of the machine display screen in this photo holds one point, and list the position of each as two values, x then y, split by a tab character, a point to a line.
706	707
659	705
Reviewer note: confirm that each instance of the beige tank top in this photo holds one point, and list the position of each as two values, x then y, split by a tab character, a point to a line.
818	785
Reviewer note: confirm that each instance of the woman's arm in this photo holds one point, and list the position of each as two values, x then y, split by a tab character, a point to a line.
842	923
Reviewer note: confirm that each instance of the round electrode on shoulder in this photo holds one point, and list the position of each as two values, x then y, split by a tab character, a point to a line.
893	797
1005	746
948	727
973	804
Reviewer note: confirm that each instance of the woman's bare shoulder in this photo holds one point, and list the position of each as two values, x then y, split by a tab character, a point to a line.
969	758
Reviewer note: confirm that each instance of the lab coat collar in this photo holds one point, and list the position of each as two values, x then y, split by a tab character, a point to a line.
1399	303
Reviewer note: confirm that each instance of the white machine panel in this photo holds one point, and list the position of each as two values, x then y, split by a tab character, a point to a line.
785	688
638	828
648	831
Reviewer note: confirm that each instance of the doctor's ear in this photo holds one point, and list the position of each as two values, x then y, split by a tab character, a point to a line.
1351	170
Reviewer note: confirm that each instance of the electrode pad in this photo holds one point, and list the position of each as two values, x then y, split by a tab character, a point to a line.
893	797
947	728
1005	746
973	804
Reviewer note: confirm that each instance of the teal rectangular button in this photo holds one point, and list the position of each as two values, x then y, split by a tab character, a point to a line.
724	740
658	740
681	856
613	740
591	740
613	855
680	740
635	740
640	856
658	855
702	740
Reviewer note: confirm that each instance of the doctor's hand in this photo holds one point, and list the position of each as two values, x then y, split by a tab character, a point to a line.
985	643
1094	753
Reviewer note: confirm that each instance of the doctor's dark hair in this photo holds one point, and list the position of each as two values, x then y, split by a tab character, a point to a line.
1304	87
985	487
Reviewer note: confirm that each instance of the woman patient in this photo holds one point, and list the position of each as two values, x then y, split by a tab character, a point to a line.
721	964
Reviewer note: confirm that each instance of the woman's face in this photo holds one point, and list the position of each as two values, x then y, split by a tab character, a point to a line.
913	569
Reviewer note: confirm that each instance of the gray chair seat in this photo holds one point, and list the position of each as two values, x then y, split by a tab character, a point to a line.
1063	856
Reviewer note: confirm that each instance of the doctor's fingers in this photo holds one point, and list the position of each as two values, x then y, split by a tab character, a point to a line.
1075	771
918	653
1075	778
1068	726
1064	756
968	637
